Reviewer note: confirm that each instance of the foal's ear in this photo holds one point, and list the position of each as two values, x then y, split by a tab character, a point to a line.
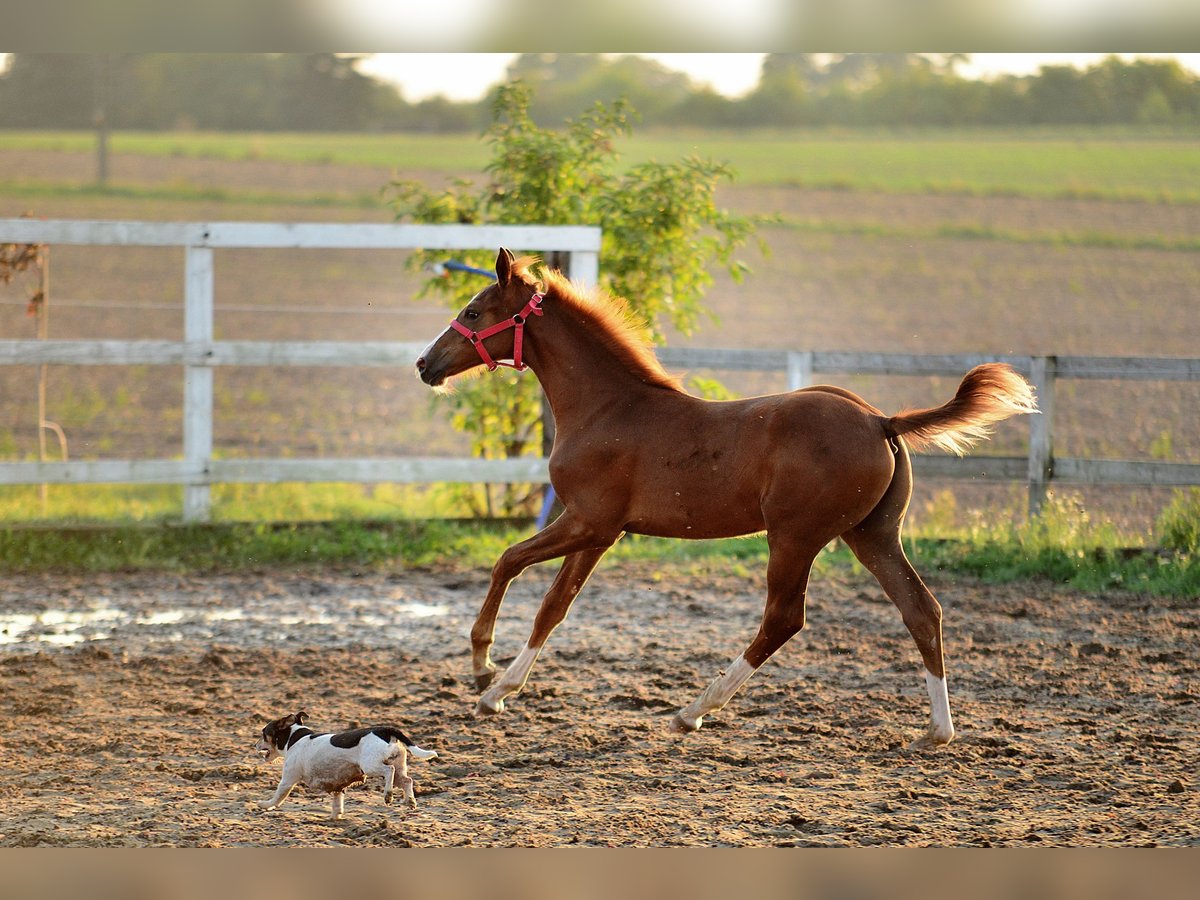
504	261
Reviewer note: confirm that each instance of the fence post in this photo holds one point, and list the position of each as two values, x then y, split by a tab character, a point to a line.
799	369
1041	432
584	267
198	381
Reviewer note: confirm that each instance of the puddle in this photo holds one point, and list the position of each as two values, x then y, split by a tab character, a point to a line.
58	627
274	620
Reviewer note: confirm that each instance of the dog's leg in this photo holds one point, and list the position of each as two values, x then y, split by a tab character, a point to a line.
410	799
338	803
389	783
281	793
394	770
401	770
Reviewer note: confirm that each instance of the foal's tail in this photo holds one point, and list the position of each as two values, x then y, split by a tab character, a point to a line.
988	394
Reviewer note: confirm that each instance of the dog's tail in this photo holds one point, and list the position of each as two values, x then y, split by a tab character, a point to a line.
391	733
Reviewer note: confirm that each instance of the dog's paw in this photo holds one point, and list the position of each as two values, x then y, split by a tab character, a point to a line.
388	798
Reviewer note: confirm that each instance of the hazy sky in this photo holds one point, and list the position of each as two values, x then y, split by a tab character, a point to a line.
467	76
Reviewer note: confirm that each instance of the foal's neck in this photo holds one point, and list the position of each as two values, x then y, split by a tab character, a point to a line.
580	365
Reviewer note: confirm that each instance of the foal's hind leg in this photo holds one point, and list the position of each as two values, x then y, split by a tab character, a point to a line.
884	557
787	582
570	580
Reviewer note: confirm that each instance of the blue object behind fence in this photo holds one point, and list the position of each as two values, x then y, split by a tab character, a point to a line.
455	266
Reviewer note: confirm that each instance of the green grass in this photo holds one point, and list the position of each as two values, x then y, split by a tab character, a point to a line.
981	164
184	193
1059	547
414	543
1089	238
130	504
1065	545
451	153
1094	570
240	545
1083	164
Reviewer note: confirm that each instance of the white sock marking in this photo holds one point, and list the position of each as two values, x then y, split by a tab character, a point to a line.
720	692
939	702
513	679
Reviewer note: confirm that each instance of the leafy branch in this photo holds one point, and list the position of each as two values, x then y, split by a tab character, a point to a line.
662	231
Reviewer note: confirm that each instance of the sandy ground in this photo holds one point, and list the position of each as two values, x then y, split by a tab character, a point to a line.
131	702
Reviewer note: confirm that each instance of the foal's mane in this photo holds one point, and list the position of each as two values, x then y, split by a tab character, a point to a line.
617	327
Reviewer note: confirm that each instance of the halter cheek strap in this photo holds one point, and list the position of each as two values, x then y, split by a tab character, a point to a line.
532	308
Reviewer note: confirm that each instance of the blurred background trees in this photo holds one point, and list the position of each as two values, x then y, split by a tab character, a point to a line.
327	92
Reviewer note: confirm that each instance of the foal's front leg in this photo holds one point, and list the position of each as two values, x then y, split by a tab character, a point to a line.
565	535
566	587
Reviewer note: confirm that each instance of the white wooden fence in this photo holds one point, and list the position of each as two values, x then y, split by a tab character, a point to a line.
198	353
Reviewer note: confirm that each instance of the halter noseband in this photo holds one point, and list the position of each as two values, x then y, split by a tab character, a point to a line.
532	308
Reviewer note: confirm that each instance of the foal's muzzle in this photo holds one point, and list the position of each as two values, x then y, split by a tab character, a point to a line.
429	374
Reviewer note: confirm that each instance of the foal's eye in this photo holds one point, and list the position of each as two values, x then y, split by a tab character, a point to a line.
470	314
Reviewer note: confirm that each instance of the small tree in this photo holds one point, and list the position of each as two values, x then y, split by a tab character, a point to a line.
661	229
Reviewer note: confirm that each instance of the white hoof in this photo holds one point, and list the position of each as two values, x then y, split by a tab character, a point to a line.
680	725
486	707
932	739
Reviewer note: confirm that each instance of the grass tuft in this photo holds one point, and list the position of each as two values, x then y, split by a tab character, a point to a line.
1045	549
1064	545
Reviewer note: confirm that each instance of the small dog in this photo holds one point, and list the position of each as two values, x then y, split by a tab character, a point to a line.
334	762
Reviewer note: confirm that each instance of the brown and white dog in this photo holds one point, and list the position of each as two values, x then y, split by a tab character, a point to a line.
334	762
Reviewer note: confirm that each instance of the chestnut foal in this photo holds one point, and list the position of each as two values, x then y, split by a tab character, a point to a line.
634	453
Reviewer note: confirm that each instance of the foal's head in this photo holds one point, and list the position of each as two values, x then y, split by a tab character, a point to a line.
486	330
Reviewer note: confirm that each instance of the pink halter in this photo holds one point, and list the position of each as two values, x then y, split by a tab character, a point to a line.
532	308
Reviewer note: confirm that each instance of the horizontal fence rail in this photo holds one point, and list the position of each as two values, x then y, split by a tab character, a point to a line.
199	354
300	235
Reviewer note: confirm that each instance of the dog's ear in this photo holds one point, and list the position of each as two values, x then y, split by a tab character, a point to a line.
300	717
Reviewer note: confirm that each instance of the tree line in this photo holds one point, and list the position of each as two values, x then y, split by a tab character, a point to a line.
327	92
